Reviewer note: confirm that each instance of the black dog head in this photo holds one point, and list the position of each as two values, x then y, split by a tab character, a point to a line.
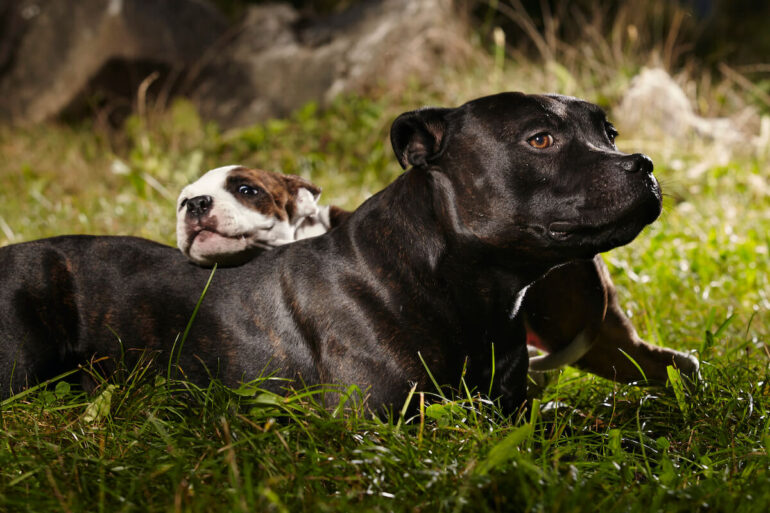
538	174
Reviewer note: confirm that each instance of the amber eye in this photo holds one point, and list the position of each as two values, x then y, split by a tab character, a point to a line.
541	141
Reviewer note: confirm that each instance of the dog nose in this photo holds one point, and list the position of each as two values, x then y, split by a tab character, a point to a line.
638	162
199	205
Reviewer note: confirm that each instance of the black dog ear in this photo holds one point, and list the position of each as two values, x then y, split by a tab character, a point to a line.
417	136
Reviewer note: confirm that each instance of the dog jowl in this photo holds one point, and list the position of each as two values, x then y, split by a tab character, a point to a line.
500	190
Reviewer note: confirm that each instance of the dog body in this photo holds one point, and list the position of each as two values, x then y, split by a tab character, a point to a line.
502	189
572	313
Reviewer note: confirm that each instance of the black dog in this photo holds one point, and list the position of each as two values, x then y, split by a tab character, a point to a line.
502	189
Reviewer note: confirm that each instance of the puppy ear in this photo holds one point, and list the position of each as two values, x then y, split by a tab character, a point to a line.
303	198
417	136
305	205
294	183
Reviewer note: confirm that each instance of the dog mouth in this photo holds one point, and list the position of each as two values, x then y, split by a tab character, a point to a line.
208	230
563	230
208	240
204	235
630	220
566	230
206	246
208	235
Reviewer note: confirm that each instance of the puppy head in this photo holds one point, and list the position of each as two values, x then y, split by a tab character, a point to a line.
232	212
536	174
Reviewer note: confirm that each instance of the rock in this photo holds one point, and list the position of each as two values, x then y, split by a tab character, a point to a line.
278	60
655	103
656	107
47	65
269	64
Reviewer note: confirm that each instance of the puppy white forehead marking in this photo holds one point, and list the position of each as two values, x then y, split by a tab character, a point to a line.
207	184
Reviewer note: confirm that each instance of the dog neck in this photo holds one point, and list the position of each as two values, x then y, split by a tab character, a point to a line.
426	246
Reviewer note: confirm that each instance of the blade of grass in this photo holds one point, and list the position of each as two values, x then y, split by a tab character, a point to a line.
638	367
405	407
192	317
492	377
35	388
430	375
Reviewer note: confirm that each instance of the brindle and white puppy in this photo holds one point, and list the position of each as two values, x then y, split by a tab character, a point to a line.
232	212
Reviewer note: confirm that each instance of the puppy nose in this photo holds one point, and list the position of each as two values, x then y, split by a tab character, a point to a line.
199	205
638	162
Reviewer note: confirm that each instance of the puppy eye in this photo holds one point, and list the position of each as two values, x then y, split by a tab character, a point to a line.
247	190
182	204
541	141
611	132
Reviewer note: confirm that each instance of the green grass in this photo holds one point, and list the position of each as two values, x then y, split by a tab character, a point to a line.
697	280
